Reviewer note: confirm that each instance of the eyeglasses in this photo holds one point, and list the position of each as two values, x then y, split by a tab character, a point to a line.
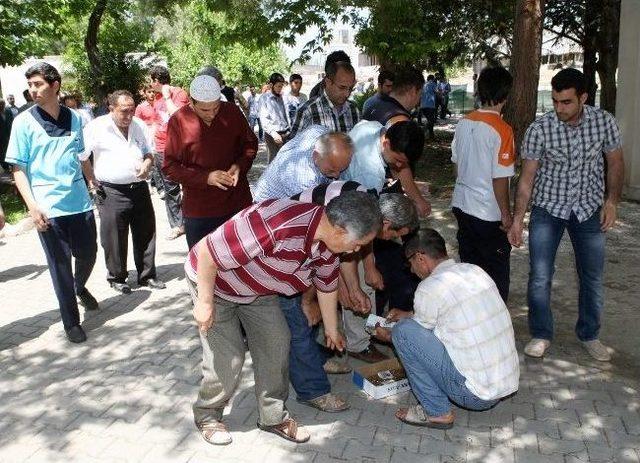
344	88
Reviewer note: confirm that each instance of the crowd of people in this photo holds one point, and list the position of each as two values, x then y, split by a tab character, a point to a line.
331	230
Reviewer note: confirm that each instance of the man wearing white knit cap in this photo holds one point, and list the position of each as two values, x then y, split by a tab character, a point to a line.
210	149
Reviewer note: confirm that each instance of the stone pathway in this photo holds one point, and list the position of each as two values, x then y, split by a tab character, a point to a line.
125	395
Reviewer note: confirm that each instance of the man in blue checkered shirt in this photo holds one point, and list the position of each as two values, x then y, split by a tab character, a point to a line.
564	154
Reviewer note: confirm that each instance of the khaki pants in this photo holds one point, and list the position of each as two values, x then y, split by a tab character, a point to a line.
223	352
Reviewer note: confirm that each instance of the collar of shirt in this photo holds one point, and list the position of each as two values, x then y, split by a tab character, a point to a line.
443	266
585	116
336	109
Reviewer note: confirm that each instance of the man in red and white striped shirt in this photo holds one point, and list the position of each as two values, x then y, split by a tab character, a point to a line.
274	247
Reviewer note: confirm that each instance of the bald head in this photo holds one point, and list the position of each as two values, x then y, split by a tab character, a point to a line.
332	153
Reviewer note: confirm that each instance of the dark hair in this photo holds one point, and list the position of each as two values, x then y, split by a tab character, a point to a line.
385	75
333	68
334	57
68	96
114	96
161	74
494	85
569	78
426	241
211	71
406	79
26	95
431	77
48	73
408	138
295	77
275	78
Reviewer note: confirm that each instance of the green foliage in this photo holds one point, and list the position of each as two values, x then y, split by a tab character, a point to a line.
202	40
125	45
28	27
360	98
13	206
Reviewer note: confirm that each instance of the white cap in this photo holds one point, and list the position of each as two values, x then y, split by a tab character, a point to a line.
205	89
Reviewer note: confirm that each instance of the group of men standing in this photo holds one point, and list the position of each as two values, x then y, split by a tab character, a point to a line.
322	228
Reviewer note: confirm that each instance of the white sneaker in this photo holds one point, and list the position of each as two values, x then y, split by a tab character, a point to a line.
536	347
597	350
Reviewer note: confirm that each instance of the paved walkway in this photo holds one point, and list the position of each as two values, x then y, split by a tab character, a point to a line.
125	394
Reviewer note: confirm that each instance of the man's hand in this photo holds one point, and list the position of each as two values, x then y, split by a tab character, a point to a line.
204	313
423	206
373	278
395	315
343	294
277	138
360	302
383	334
506	219
39	218
608	215
234	173
335	340
311	310
144	170
514	235
220	179
166	91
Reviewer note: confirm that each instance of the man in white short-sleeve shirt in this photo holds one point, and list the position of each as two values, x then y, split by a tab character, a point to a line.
122	162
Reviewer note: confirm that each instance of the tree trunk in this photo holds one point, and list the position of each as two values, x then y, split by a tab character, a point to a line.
591	26
608	50
91	46
520	110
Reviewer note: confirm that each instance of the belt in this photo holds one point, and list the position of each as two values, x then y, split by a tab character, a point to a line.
124	186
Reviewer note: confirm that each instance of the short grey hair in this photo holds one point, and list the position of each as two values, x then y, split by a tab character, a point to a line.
329	142
211	71
355	211
399	210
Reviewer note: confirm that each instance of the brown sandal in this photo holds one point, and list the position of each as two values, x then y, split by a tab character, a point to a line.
289	430
215	432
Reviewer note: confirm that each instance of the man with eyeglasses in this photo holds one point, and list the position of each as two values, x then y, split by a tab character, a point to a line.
332	108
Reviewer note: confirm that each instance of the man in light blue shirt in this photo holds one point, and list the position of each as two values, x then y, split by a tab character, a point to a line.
44	148
316	155
428	103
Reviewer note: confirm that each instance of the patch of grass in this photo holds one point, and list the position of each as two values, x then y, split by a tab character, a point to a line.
435	166
14	208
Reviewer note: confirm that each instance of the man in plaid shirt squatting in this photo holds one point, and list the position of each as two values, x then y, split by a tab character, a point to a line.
278	246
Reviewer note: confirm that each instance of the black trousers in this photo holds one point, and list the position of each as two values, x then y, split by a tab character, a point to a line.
127	207
399	283
67	236
430	115
484	244
172	195
197	228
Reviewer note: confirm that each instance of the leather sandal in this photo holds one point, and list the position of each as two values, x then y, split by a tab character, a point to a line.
288	430
215	433
329	403
416	416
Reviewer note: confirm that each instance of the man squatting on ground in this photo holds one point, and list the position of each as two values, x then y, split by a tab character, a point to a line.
274	247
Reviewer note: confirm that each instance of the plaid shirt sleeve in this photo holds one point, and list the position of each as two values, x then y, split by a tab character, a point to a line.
612	139
533	143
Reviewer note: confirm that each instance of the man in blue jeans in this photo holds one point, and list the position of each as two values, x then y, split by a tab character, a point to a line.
564	154
458	345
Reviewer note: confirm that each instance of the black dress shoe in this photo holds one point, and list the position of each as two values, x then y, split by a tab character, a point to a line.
76	334
86	299
122	287
153	283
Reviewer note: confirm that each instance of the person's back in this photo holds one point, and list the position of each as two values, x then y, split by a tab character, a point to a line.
474	325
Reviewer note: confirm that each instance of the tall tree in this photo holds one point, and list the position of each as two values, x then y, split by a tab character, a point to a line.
520	110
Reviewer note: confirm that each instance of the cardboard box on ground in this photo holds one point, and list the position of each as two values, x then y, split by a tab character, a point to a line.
382	379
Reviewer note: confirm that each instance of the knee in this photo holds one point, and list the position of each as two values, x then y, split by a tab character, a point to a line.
403	330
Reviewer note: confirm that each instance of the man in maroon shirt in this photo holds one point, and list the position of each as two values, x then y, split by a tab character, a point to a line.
278	246
167	101
210	149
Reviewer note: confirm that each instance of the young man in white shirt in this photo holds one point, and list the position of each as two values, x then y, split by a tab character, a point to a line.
122	163
458	345
484	154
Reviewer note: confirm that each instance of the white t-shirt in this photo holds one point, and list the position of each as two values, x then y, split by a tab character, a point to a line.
463	307
116	159
367	166
483	149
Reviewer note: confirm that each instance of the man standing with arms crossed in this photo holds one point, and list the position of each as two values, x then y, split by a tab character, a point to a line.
564	155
